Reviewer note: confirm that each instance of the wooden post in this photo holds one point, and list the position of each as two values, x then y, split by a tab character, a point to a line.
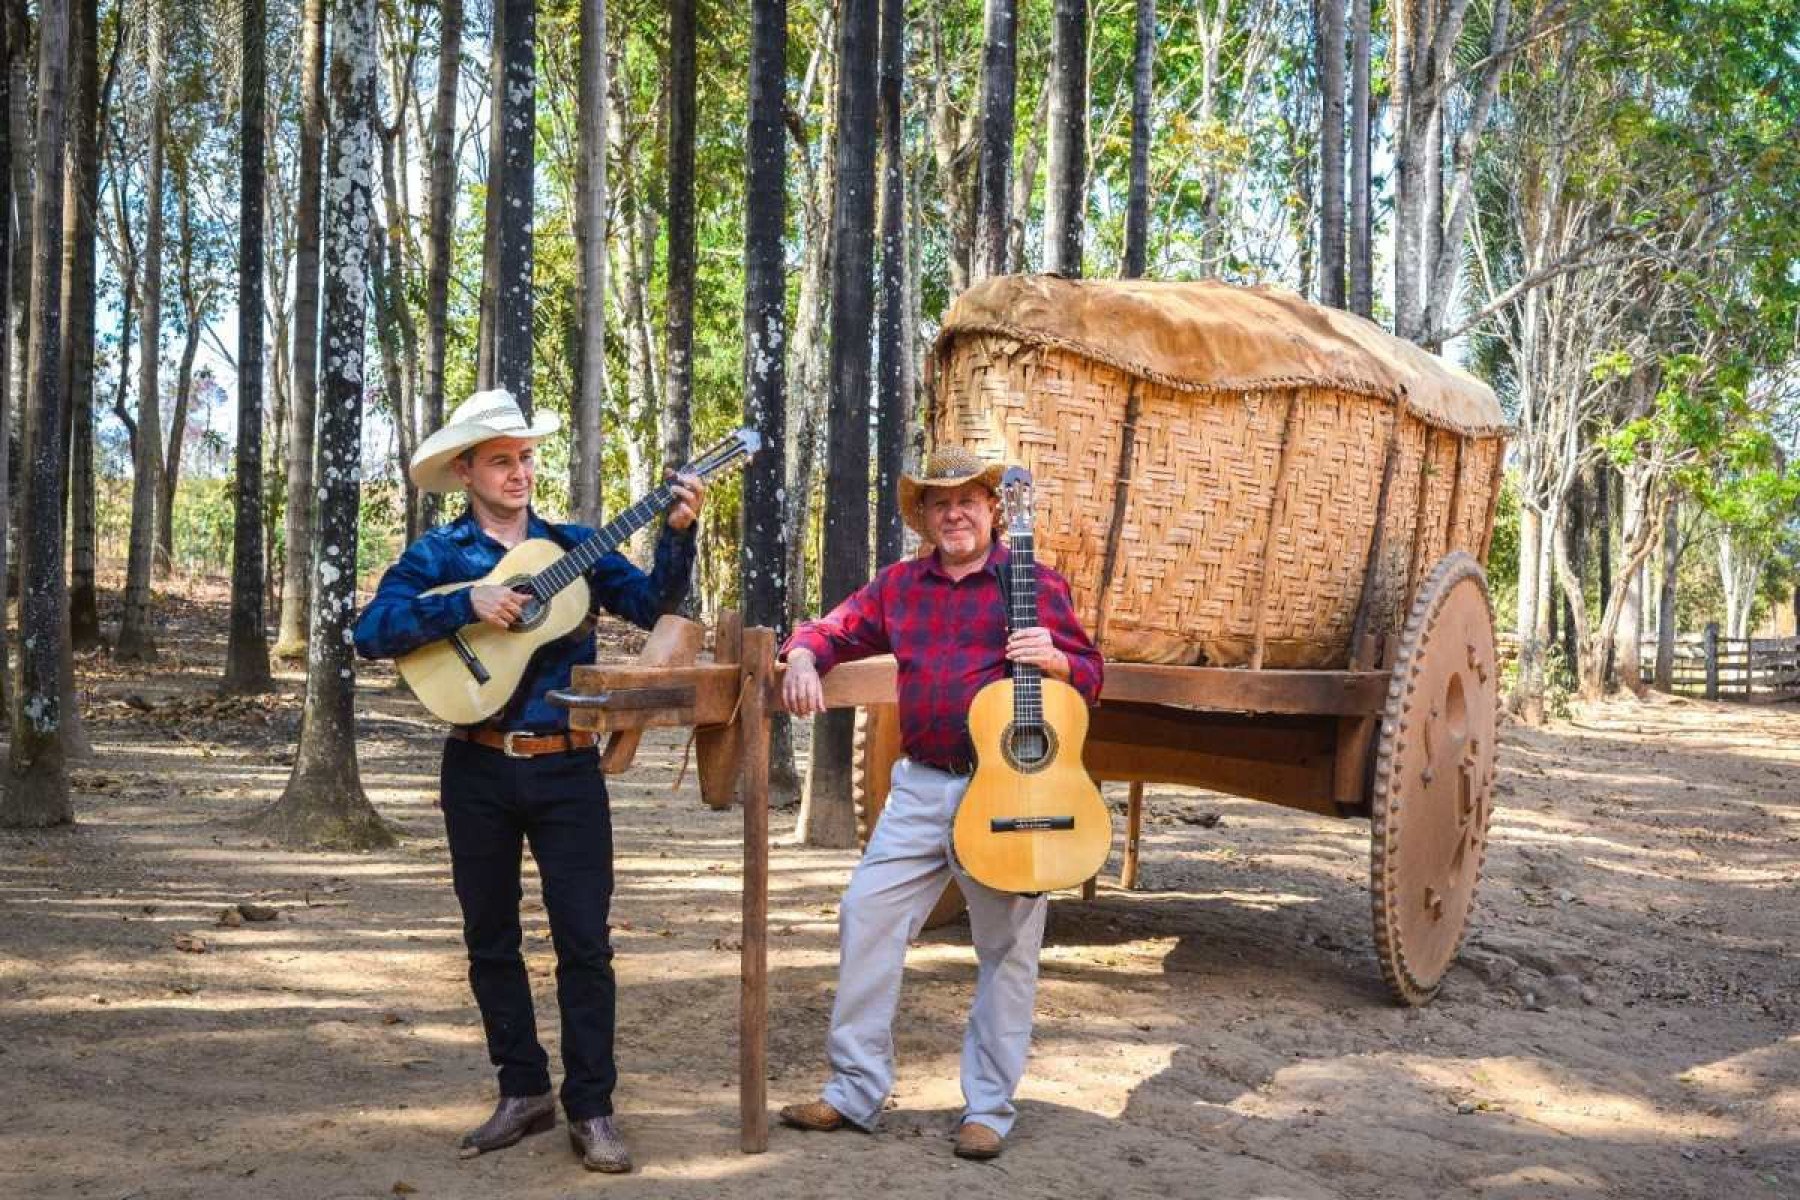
1134	823
1711	647
753	1003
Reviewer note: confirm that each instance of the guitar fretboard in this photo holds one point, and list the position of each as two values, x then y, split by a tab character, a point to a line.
1028	698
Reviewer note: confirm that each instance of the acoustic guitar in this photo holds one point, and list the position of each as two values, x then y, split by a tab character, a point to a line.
470	675
1032	818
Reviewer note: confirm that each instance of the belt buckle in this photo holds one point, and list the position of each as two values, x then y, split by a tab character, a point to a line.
506	743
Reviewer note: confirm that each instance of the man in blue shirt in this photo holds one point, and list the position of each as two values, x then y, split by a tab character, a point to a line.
524	776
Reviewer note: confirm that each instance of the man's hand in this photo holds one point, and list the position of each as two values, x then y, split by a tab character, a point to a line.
1034	647
801	692
690	497
498	606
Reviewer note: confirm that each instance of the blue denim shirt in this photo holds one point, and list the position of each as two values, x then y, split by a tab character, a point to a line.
399	619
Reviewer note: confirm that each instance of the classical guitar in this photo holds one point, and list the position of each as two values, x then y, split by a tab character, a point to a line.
1032	818
470	675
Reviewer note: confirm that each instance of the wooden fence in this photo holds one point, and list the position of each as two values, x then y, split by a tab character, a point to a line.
1715	667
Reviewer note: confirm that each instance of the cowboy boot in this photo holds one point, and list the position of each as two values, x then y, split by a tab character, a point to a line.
598	1143
513	1118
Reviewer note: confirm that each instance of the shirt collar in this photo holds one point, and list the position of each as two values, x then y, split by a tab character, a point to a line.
467	529
998	556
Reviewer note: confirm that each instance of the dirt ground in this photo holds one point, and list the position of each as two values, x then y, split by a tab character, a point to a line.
1625	1021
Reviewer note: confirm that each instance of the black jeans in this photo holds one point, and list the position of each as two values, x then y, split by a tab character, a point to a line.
557	802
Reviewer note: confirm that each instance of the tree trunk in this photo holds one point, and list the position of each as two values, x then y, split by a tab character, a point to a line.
1528	689
589	403
135	641
302	502
37	786
194	311
826	816
1362	230
1137	200
1024	182
516	200
1603	551
1065	194
892	349
1665	599
999	82
1330	44
247	647
763	548
678	302
8	248
324	803
1628	646
439	218
17	382
80	206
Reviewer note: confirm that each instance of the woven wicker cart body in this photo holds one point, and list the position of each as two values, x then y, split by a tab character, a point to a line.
1209	460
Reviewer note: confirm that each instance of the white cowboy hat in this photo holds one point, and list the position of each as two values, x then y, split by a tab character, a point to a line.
485	415
950	466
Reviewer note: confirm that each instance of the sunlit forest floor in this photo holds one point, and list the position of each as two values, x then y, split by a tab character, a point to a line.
1625	1021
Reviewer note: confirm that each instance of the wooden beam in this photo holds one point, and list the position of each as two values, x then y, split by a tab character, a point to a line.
753	994
718	749
1304	786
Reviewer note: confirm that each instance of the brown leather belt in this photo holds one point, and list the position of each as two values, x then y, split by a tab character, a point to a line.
522	743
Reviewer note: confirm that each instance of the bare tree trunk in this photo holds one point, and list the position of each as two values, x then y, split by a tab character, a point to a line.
324	803
1330	35
826	816
37	785
1065	196
1628	646
9	196
1362	231
247	647
514	302
999	81
678	341
80	208
892	349
302	504
487	315
589	404
194	312
1137	202
18	379
1665	599
950	144
763	549
440	215
135	641
1528	693
1024	183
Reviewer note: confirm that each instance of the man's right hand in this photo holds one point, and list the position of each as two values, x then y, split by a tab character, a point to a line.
801	692
496	605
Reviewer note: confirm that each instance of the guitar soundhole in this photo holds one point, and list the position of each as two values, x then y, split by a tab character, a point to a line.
535	610
1028	748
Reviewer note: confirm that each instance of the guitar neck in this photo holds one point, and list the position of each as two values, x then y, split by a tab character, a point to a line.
1022	611
580	560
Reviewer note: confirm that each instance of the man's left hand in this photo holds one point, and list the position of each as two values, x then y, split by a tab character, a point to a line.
1033	646
690	497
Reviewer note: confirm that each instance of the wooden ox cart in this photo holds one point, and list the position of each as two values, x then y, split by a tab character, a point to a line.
1274	518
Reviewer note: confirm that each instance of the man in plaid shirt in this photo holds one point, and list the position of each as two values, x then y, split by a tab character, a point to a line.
943	617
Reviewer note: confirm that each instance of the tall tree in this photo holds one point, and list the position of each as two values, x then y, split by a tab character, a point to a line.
678	347
247	647
826	816
1362	228
999	85
37	786
515	199
762	546
588	405
302	505
1065	197
1330	43
195	288
8	248
135	640
440	216
324	803
894	393
1137	200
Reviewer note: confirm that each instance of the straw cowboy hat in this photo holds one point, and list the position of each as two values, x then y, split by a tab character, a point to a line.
485	415
951	466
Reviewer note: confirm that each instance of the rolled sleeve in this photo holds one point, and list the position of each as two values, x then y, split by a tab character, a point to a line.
1056	609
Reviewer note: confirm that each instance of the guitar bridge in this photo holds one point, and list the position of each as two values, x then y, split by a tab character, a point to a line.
1029	824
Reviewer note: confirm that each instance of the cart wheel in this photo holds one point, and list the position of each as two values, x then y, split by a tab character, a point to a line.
875	751
1434	778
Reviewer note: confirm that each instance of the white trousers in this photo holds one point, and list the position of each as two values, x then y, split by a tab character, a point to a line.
904	871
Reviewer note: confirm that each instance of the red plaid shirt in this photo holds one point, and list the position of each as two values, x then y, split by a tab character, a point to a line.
949	637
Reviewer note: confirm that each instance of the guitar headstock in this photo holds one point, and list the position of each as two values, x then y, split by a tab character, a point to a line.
1016	500
733	450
